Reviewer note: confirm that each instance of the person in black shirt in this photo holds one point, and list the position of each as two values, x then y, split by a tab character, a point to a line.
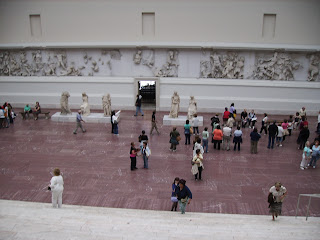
154	123
143	138
184	195
138	105
273	132
244	118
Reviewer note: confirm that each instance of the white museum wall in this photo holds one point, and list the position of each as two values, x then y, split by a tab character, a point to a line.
69	22
212	95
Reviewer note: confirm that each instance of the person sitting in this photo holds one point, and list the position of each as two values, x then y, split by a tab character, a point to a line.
244	118
252	118
37	110
27	110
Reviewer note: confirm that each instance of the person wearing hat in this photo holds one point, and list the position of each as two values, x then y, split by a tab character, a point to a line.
278	192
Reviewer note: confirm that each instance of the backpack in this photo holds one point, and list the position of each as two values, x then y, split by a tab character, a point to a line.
270	199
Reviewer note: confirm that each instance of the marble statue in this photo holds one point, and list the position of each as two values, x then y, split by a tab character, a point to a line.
175	105
85	107
62	60
50	70
137	57
71	71
278	67
64	103
106	104
313	70
192	109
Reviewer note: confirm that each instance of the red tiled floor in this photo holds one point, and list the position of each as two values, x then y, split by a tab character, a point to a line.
95	168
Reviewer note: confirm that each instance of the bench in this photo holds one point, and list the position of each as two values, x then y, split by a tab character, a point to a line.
47	115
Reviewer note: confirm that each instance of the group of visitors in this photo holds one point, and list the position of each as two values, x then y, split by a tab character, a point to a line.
144	151
7	115
180	194
36	110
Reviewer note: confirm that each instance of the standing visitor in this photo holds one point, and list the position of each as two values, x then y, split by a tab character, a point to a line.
217	137
184	195
230	121
280	135
146	152
79	125
237	138
2	117
285	126
273	132
56	187
290	124
232	109
138	106
318	126
226	137
197	165
205	138
187	132
6	114
306	156
279	193
297	120
225	116
154	123
133	156
115	124
264	124
174	198
244	118
303	112
174	139
196	146
143	138
195	124
255	136
315	154
303	136
214	120
112	125
252	119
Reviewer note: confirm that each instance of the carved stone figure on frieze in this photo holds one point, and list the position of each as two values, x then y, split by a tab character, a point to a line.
64	103
149	60
62	60
205	69
238	70
175	105
313	70
137	57
85	107
192	109
216	69
106	104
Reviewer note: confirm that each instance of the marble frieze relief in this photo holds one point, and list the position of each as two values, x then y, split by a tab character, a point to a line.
147	62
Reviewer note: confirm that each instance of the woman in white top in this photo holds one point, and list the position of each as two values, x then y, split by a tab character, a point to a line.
197	166
278	192
56	187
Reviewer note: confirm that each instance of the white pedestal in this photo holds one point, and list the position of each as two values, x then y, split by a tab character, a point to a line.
92	118
179	121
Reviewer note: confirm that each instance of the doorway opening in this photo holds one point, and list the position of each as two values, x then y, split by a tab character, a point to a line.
147	89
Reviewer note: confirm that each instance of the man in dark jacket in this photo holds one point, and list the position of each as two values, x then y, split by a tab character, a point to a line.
303	136
138	105
273	132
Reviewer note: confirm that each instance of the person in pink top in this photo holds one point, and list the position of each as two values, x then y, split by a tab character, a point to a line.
285	126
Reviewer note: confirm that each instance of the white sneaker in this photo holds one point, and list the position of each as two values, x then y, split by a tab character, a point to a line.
280	145
301	168
314	166
249	126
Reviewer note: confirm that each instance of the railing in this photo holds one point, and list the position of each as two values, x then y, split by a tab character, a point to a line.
306	195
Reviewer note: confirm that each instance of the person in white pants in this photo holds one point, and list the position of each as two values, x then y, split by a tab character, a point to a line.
56	187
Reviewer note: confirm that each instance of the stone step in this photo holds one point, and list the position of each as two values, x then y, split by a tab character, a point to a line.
31	220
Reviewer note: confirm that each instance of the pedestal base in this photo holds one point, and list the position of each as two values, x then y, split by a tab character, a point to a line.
92	118
179	121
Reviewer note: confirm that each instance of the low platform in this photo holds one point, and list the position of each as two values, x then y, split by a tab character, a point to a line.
33	220
92	118
179	121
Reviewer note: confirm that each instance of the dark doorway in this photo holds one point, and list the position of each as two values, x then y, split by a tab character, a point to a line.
147	90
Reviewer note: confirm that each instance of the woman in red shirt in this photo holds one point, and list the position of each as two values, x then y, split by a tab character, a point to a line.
225	116
217	137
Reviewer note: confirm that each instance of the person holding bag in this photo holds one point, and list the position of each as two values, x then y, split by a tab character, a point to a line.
174	198
197	166
184	195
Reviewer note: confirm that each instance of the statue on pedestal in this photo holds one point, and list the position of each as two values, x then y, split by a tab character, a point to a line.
106	104
175	105
64	103
192	109
85	107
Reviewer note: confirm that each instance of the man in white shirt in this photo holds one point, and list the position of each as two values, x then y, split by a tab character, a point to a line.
195	124
226	137
303	112
280	135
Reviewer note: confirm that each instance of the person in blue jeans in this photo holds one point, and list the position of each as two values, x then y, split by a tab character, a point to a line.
315	154
187	132
138	105
145	154
205	136
184	195
273	132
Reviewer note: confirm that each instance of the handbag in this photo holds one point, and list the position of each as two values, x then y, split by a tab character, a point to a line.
178	138
191	130
174	199
148	153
